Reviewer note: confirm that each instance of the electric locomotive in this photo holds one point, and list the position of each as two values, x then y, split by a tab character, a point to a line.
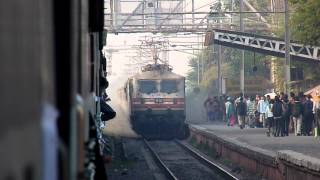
156	100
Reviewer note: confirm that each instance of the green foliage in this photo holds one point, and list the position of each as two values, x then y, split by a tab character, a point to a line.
305	22
277	65
304	27
233	58
203	58
192	76
311	70
230	67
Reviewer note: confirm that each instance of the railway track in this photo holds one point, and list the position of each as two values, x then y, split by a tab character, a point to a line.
178	161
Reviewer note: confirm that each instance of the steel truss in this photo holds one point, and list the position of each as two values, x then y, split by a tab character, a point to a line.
153	16
262	44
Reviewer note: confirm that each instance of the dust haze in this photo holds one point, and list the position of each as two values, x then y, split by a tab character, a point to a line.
120	126
195	111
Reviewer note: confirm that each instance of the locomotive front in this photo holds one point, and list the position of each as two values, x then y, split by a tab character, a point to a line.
158	102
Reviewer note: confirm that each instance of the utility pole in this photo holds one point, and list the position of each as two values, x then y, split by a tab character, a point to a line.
193	12
242	51
198	63
202	66
198	71
219	70
143	12
202	57
287	41
231	11
219	58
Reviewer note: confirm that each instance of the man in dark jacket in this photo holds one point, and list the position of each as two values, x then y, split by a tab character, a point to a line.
291	104
286	114
307	116
208	104
277	110
316	112
107	112
242	112
216	108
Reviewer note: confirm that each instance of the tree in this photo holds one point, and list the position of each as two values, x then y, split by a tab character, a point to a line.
192	76
230	67
305	27
305	21
233	58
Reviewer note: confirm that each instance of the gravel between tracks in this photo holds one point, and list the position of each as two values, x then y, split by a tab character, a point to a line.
135	163
181	163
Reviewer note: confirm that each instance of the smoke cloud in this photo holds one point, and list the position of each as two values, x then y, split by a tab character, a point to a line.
120	126
195	111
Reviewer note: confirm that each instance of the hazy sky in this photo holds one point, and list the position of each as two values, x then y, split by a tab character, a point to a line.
176	59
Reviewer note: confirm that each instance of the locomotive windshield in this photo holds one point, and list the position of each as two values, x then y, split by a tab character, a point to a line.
168	86
147	87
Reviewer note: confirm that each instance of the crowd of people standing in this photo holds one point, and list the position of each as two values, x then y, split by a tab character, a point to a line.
280	115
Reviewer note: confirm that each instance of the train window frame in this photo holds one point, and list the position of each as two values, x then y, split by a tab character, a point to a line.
155	89
175	82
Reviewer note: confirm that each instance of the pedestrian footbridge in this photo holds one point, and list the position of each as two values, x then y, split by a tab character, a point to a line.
262	44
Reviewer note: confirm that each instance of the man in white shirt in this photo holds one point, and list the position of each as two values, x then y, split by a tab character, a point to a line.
229	110
262	109
250	110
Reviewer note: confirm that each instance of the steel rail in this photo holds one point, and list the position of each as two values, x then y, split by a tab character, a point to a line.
167	171
222	172
207	162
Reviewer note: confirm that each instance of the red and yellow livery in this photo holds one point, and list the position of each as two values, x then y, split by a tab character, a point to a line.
156	98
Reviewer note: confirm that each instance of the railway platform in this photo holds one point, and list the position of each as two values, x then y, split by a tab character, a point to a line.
290	157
